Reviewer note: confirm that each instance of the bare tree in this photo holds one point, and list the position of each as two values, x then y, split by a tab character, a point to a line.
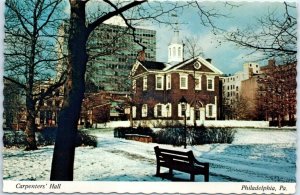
192	47
30	53
80	30
275	35
242	109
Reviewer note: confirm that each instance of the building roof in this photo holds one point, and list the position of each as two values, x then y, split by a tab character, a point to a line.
150	65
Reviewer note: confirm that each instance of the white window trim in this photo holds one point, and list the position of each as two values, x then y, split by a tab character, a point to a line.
145	83
162	82
212	78
133	111
169	81
200	83
134	86
187	81
144	110
214	113
188	107
168	114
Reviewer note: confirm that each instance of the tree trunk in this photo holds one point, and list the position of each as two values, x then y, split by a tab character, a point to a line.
279	121
30	125
64	150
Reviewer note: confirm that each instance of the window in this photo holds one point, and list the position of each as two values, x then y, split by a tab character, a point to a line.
198	83
210	110
144	110
168	81
210	84
134	86
159	110
159	82
168	110
184	81
169	51
179	51
174	52
144	83
181	110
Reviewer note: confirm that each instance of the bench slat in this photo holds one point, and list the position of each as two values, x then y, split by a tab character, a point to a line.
167	156
173	151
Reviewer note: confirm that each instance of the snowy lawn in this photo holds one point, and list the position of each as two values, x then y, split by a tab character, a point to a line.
254	156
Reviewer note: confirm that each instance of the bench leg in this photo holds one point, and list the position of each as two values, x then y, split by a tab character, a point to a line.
192	177
206	176
157	170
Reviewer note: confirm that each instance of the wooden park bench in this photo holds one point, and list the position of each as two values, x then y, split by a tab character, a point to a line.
180	161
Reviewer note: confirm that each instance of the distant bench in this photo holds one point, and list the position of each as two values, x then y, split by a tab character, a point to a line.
138	137
181	161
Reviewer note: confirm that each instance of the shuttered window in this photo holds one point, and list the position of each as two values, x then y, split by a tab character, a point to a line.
145	83
159	82
144	110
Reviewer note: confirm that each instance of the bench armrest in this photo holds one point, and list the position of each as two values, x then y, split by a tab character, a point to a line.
200	163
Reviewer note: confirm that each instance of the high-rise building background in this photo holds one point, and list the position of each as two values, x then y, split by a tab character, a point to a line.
112	51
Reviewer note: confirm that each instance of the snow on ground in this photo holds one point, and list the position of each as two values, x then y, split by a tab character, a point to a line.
254	156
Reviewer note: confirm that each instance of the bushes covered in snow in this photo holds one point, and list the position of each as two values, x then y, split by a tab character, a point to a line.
175	135
120	132
14	138
45	137
209	135
170	135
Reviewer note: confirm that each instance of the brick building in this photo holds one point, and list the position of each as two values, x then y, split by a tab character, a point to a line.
157	87
277	93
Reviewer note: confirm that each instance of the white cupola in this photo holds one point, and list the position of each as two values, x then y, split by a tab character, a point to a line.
175	48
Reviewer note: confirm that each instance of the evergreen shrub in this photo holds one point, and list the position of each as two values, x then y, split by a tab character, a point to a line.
120	132
209	135
45	137
170	135
195	136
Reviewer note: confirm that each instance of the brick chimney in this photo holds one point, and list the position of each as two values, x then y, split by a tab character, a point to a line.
209	60
141	56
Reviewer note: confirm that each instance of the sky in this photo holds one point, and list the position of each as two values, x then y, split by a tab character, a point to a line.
225	56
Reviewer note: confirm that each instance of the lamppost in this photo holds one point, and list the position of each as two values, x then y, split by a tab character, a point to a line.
183	104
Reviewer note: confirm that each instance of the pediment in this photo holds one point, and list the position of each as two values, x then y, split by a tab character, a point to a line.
198	64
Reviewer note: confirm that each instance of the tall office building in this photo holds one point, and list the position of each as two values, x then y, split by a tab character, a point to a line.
112	51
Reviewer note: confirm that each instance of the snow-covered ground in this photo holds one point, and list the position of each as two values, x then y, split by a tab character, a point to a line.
254	156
